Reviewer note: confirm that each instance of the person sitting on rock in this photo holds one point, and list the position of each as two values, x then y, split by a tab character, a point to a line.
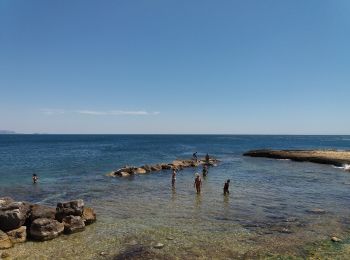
173	178
205	170
35	178
226	186
197	183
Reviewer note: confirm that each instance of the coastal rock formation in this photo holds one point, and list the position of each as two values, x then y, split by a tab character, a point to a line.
70	208
18	235
337	158
45	229
21	220
177	165
5	241
13	215
73	224
89	216
40	211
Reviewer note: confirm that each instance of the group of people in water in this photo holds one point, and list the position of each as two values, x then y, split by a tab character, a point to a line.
198	180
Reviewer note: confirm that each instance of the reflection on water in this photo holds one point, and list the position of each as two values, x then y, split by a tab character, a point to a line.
268	210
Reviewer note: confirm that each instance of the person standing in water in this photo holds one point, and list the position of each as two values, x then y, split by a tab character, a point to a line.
197	183
226	186
205	170
194	155
173	178
35	178
207	158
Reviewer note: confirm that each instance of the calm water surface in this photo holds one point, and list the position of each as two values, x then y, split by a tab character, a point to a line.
268	212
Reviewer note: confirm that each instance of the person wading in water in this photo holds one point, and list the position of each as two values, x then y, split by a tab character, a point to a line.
197	183
226	186
173	178
205	170
35	178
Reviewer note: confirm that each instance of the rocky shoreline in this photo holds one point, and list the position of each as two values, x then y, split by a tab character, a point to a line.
20	221
332	157
177	165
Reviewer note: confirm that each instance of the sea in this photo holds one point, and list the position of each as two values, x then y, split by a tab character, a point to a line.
275	209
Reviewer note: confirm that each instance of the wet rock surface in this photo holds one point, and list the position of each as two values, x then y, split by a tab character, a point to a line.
13	215
73	224
5	241
70	208
18	235
45	229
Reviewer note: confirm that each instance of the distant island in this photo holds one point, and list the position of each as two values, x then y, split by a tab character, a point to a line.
7	132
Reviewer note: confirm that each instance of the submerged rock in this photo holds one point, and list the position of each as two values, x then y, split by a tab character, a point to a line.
13	215
159	246
316	211
45	229
89	216
70	208
5	241
73	224
18	235
5	201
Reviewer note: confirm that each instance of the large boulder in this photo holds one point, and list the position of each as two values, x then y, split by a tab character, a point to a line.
13	215
18	235
89	216
45	229
73	224
140	171
166	166
40	211
147	168
5	241
156	167
70	208
123	174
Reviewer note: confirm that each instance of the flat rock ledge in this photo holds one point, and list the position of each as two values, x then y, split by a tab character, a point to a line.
177	165
332	157
20	221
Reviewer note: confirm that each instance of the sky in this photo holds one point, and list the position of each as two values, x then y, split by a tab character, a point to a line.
175	66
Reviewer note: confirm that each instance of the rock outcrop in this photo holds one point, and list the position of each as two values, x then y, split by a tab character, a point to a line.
21	220
177	165
337	158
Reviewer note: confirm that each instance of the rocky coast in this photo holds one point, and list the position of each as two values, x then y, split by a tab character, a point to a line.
333	157
176	164
22	221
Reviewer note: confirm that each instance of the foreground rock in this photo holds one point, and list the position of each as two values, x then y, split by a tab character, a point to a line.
337	158
18	235
70	208
177	165
45	229
13	215
20	220
5	241
73	224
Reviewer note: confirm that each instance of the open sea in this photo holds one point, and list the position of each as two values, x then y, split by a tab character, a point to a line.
268	214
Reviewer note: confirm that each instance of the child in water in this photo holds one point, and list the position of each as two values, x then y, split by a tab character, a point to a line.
35	178
226	186
197	183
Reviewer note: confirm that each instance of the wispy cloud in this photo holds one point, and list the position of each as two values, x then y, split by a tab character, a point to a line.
99	113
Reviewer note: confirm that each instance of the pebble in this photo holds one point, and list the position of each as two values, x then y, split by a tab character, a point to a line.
103	253
159	245
335	239
170	238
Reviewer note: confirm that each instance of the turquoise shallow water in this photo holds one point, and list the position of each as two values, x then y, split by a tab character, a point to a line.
267	212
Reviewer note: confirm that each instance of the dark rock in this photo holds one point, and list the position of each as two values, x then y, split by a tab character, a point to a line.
166	166
156	167
45	229
18	235
5	241
13	215
89	216
4	255
70	208
40	211
73	224
147	168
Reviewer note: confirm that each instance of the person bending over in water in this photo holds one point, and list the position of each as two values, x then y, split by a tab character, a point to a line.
205	170
35	178
197	183
194	155
173	178
226	186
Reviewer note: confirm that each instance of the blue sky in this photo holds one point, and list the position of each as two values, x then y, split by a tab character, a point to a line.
158	66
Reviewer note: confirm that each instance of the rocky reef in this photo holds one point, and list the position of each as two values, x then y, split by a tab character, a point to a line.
177	165
333	157
20	221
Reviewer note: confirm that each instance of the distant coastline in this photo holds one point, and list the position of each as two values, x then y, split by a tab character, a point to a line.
7	132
